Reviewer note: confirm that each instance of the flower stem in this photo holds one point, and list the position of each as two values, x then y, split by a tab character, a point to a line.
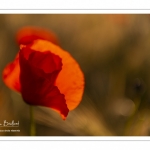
32	123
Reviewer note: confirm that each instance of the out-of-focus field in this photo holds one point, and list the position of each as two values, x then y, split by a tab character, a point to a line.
114	54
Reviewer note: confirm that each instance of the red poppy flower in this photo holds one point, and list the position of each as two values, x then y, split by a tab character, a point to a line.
47	76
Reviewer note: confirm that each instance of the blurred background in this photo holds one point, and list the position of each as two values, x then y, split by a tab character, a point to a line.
114	53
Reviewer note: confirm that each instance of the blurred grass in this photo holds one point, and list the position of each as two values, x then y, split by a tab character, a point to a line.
114	54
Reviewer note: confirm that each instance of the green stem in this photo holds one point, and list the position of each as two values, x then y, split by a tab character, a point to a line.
32	123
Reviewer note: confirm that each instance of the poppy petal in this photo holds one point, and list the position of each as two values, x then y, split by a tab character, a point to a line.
28	34
70	80
38	72
11	75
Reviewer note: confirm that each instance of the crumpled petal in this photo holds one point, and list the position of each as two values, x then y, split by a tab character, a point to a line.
70	80
38	72
28	34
